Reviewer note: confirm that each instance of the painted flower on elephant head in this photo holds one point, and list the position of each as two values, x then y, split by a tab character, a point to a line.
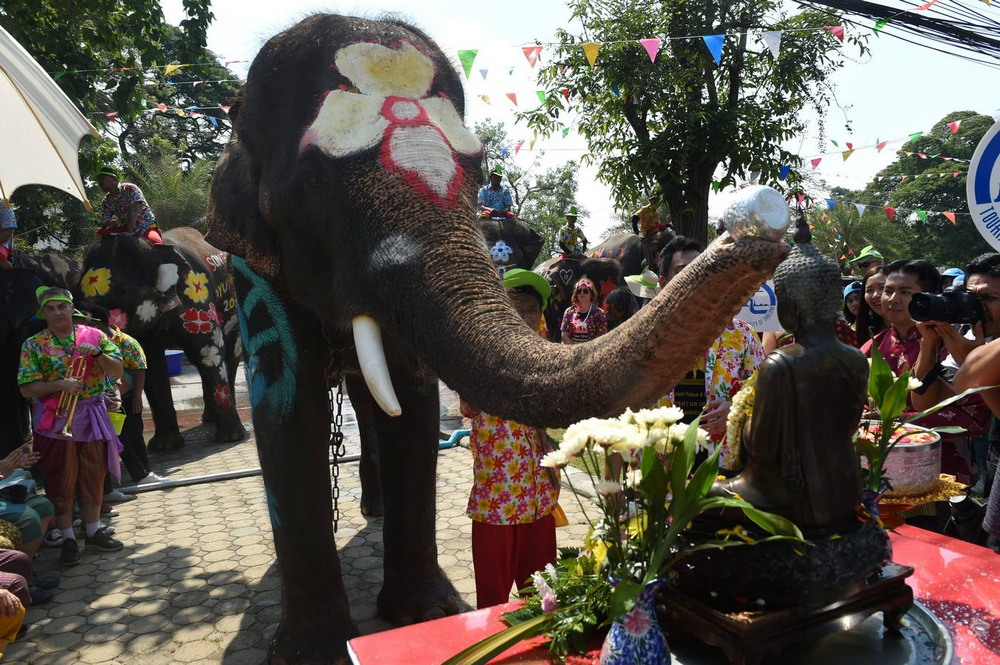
96	282
222	396
118	319
146	311
197	321
197	286
217	337
210	355
389	106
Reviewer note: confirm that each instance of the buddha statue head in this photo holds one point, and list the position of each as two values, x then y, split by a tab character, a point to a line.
807	284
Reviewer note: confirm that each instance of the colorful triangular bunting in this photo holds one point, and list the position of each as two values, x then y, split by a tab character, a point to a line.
532	53
950	216
836	30
512	97
772	39
891	212
467	57
652	46
714	44
590	50
861	208
953	126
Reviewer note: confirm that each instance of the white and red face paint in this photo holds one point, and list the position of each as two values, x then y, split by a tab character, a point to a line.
420	137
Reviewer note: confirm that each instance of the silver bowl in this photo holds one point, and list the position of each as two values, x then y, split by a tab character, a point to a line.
913	468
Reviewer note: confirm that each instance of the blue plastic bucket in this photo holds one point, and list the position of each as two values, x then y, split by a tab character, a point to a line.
174	360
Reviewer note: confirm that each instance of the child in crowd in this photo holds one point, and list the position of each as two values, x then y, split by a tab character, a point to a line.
513	497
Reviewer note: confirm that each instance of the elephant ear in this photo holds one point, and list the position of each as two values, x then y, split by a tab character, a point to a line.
234	221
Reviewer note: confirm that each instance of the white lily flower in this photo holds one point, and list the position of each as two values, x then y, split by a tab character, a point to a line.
608	487
554	460
912	383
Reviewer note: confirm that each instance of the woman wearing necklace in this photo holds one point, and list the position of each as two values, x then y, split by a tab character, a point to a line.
584	320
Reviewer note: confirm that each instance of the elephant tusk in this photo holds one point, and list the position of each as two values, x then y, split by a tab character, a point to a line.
371	357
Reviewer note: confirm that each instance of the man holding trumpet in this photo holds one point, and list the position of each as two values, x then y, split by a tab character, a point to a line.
63	370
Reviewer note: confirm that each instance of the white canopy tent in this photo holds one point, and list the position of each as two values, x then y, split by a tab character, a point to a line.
40	128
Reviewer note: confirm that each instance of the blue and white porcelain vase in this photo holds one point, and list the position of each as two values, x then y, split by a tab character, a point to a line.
636	637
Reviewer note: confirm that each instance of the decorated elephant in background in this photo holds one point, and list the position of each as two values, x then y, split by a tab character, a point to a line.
17	305
511	243
343	198
624	248
176	295
563	272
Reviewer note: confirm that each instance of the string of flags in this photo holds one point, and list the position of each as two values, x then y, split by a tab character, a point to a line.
167	69
890	211
186	112
652	46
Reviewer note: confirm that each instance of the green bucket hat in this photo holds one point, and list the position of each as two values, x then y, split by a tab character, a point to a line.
108	171
867	254
46	294
572	212
497	170
516	277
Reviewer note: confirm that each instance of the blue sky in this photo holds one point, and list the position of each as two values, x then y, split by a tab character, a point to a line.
896	90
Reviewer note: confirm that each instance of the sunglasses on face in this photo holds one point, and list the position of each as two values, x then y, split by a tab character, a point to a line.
583	290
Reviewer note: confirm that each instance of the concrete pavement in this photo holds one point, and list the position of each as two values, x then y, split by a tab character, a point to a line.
197	583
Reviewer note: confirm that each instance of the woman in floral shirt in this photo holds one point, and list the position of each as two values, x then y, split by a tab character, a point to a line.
512	498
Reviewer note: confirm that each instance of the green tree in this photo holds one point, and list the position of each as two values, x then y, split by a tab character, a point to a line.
920	185
676	122
540	201
178	196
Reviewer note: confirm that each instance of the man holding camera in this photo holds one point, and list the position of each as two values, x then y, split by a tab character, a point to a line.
919	321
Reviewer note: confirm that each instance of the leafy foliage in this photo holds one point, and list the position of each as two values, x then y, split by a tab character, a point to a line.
672	124
178	196
913	183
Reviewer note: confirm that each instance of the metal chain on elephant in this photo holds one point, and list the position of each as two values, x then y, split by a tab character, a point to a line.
337	448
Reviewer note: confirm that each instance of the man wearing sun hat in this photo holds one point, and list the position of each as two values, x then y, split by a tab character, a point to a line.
74	465
571	239
494	199
514	499
868	261
124	209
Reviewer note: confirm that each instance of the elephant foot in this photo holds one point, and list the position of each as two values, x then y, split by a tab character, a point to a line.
208	416
415	599
166	441
316	646
371	507
230	433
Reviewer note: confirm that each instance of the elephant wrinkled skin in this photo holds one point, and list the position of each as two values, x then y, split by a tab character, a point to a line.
344	198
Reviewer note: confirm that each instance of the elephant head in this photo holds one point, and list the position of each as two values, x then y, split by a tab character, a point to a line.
133	279
511	243
350	176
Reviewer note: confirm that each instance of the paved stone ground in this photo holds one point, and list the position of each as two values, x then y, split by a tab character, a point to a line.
196	582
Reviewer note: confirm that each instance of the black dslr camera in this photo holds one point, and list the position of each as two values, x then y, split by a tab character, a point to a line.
955	305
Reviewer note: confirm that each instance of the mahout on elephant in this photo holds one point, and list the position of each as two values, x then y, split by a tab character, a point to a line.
339	121
562	272
17	307
176	295
511	242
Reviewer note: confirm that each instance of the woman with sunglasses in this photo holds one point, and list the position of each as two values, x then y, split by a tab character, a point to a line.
584	320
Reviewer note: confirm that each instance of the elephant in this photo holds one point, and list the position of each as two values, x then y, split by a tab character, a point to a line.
511	242
176	295
18	304
343	198
622	247
563	272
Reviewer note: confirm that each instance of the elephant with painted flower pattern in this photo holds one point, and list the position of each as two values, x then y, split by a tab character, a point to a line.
178	295
343	197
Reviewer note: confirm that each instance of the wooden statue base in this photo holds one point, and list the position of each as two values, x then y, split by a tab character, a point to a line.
747	636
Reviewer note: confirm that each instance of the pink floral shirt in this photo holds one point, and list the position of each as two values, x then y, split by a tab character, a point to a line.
509	486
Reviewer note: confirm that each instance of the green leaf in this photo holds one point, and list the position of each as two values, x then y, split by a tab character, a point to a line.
654	478
895	399
623	599
774	524
680	467
947	402
704	476
484	650
880	378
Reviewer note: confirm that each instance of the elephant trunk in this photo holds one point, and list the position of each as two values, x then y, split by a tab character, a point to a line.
455	313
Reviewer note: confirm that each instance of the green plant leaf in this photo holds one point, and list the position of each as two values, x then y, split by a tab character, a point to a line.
483	650
949	429
654	478
681	462
623	599
880	378
704	476
894	400
946	402
774	524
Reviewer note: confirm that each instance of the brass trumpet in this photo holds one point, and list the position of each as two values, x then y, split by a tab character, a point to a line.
67	401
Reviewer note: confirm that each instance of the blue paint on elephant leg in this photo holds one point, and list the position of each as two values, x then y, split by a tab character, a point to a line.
276	391
272	508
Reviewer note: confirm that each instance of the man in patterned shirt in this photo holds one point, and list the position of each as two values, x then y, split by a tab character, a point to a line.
646	224
733	357
74	465
571	238
124	209
513	497
494	199
8	222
